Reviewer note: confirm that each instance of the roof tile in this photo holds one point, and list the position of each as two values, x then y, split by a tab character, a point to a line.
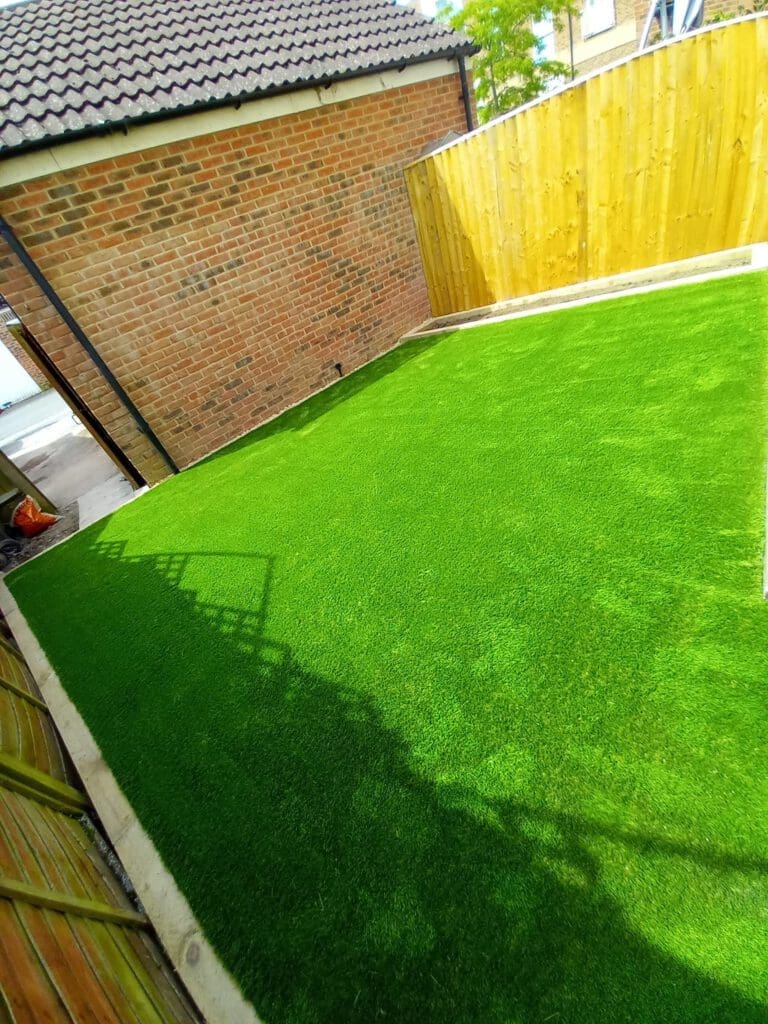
79	65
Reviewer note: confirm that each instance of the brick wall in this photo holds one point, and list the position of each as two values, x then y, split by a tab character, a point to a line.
222	277
42	319
16	350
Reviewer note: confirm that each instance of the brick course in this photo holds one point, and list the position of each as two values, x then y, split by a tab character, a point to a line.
222	277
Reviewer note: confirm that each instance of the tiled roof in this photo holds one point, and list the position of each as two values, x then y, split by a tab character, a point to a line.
76	66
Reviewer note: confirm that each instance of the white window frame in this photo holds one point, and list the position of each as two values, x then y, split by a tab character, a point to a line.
597	16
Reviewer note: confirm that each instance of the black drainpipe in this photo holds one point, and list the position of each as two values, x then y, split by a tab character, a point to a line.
45	286
465	92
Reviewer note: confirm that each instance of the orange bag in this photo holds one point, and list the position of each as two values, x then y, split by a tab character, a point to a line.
28	517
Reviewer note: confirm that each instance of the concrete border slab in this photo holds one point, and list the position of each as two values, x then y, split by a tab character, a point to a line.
209	983
727	263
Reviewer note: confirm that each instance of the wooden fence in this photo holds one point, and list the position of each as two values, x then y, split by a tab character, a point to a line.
73	948
659	158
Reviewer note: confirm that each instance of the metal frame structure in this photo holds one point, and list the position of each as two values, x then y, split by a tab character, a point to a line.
676	18
19	250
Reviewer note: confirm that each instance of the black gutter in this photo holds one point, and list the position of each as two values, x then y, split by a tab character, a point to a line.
465	92
234	100
45	286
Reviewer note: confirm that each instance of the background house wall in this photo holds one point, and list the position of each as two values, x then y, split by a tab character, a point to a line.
591	52
223	277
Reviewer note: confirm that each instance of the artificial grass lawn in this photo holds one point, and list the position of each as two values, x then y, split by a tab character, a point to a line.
444	696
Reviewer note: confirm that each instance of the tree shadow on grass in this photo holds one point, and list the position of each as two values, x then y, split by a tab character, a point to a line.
336	882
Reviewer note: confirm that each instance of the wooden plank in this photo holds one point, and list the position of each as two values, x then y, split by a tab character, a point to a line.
37	783
727	155
17	860
15	671
517	279
699	186
52	938
470	211
530	165
566	139
24	694
448	260
601	174
448	183
46	799
484	230
426	235
10	649
26	986
581	269
121	971
744	155
758	225
53	851
27	733
144	957
495	222
64	903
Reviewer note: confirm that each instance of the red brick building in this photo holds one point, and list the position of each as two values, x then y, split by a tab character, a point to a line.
204	201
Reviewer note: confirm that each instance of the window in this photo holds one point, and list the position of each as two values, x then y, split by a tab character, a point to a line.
544	31
597	16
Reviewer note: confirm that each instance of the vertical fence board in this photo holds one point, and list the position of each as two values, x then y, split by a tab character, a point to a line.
513	224
660	158
755	178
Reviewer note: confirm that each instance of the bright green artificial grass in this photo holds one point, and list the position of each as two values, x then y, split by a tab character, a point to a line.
444	696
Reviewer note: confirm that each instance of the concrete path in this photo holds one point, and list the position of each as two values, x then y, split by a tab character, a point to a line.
55	451
30	415
63	460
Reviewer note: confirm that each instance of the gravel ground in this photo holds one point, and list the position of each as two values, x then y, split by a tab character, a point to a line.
67	525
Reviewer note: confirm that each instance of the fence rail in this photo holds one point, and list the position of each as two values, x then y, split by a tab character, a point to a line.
659	158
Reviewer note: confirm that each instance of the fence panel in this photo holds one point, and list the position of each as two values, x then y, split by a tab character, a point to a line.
73	948
660	158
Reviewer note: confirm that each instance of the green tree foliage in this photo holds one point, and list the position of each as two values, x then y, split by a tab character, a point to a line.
510	69
757	8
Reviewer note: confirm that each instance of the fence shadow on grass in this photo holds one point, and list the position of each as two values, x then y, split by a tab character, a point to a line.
337	882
